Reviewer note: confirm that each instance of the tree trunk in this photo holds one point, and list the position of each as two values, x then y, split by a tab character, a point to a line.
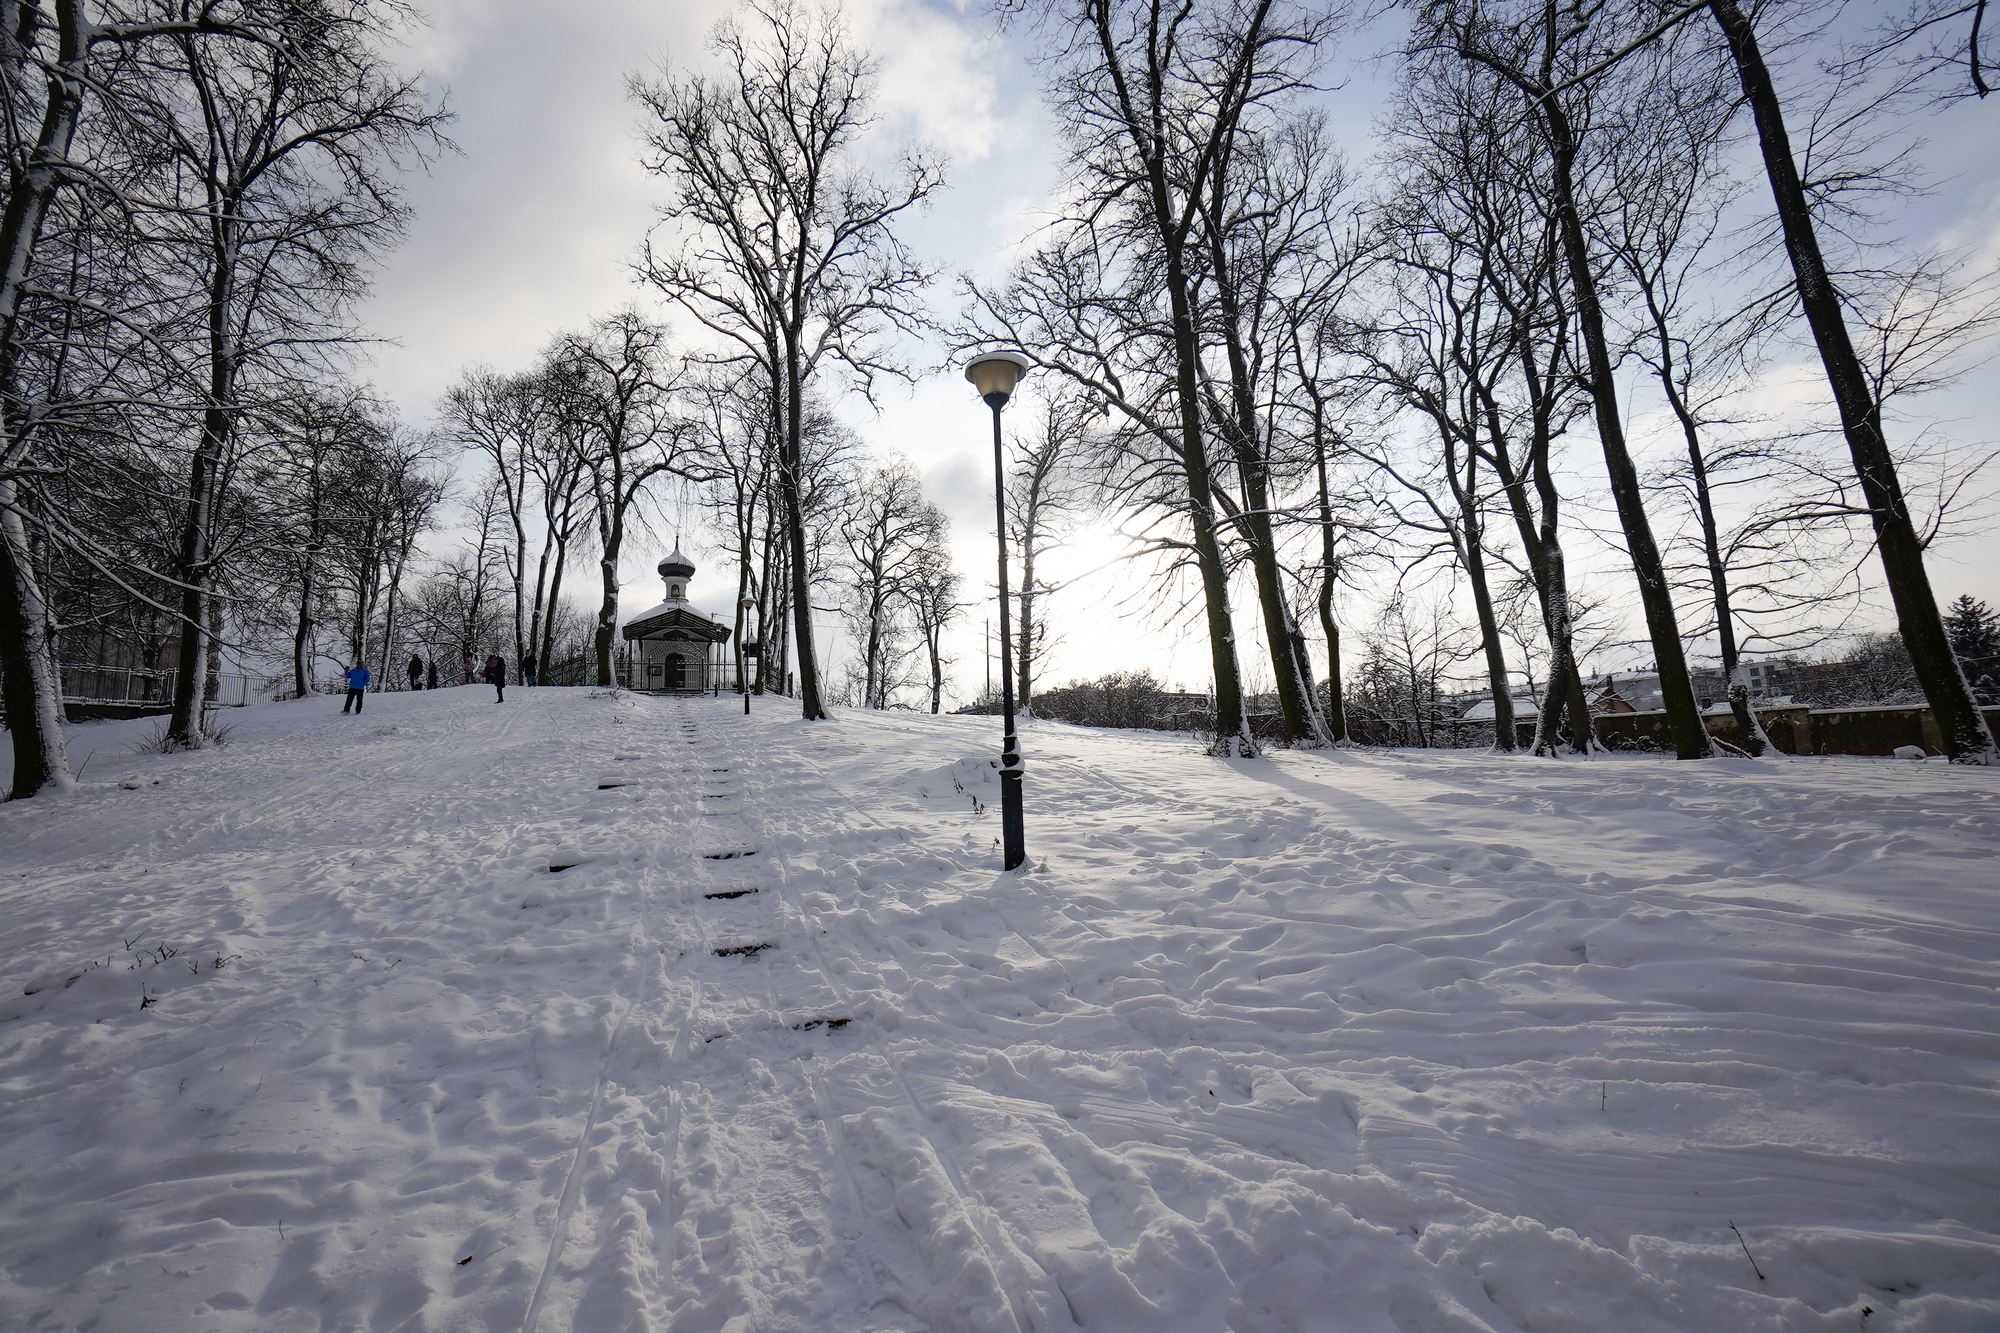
1303	724
781	594
1024	635
1748	730
29	680
1232	726
1563	708
770	592
211	677
28	677
1684	722
192	566
791	483
535	610
47	166
1472	552
1967	739
607	616
931	642
389	654
1336	708
302	628
555	601
871	687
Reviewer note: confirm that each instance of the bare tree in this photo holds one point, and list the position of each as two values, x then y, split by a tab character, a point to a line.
82	105
562	473
1544	54
1666	192
779	242
1267	221
1482	250
739	451
1967	738
1325	390
1444	357
931	593
1046	494
613	385
885	528
286	148
507	420
1155	100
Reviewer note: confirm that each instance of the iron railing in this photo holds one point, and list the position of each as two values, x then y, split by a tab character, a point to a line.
88	683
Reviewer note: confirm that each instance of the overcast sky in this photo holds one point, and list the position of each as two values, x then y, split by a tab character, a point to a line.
533	228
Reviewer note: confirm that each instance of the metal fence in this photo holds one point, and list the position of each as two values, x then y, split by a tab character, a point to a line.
84	683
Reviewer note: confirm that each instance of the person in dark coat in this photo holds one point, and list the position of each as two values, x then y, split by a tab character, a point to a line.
528	667
431	675
416	672
496	676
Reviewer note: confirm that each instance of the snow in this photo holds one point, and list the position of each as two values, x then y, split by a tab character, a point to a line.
1483	710
1393	1042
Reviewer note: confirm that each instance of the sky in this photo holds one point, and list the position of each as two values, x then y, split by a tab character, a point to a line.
532	228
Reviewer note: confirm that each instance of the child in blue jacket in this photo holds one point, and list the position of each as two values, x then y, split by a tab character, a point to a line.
357	687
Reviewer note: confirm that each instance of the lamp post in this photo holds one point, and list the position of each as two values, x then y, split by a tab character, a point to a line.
742	661
994	375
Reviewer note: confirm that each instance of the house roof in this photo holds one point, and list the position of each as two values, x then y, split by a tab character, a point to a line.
1483	710
677	620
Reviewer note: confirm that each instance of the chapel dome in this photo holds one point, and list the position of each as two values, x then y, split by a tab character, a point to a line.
676	566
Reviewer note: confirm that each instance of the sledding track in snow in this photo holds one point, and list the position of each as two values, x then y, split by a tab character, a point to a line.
1398	1043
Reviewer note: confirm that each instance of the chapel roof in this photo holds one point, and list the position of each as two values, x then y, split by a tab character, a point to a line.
675	620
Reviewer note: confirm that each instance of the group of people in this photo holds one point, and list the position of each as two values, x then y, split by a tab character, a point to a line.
424	675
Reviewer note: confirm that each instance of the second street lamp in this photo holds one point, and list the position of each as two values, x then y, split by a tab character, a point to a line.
994	375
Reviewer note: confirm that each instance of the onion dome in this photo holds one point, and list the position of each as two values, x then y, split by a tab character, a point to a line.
676	566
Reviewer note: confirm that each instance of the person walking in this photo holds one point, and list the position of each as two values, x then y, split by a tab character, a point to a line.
468	669
416	672
528	667
496	676
431	675
357	688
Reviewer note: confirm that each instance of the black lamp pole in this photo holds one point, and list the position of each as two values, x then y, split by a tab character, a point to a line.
743	658
1013	826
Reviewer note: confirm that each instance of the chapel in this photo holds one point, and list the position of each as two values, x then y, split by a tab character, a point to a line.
675	647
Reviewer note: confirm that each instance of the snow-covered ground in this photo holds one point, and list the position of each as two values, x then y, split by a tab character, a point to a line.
306	1033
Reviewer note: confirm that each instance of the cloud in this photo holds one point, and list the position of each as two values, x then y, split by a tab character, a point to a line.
936	77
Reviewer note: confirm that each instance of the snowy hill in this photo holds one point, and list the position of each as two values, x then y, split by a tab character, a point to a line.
310	1032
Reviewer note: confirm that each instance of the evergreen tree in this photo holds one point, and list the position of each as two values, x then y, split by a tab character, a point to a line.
1974	631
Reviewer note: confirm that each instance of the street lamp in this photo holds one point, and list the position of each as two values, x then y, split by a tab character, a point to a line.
742	664
994	375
